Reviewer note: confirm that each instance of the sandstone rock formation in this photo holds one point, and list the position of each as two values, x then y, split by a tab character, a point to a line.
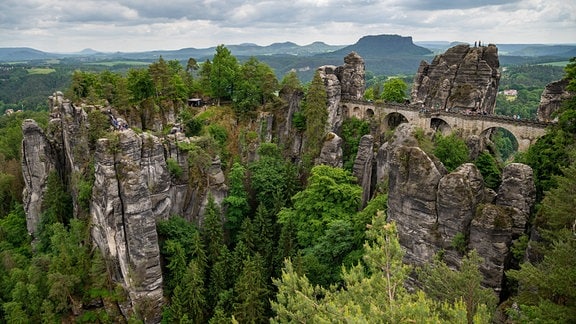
342	82
123	220
331	152
133	188
463	78
551	99
352	75
363	166
333	97
453	212
36	166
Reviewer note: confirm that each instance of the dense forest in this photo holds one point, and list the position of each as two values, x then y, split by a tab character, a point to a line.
291	242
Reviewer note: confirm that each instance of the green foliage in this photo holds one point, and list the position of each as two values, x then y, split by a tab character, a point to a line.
505	143
381	280
446	285
299	121
488	167
256	86
394	90
519	246
251	292
57	209
219	134
352	130
99	124
331	194
316	115
272	179
223	73
546	289
236	203
460	243
193	127
451	150
13	229
174	168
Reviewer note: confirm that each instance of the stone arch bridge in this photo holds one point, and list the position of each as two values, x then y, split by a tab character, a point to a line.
389	115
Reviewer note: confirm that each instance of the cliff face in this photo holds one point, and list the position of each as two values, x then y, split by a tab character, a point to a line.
453	212
342	82
551	99
133	189
463	78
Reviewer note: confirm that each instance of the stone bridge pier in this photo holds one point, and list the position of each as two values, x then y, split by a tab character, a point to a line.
390	115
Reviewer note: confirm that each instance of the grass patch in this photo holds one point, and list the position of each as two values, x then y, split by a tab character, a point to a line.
40	70
559	63
114	63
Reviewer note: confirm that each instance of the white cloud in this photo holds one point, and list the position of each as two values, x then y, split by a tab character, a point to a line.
134	25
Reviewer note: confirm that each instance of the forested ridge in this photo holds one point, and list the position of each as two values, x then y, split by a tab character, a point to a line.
290	242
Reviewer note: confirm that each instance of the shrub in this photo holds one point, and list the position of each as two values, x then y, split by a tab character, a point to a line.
174	168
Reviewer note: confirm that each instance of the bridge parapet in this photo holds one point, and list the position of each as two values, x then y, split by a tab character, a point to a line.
525	131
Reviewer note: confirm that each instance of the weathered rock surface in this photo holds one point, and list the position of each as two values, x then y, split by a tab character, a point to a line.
37	163
342	82
133	189
412	197
123	220
362	169
333	97
432	207
459	192
491	233
331	152
551	99
352	75
463	78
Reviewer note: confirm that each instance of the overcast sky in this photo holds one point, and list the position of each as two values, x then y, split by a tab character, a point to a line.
140	25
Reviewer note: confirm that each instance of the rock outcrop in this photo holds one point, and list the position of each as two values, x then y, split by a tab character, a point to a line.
453	212
363	166
464	78
133	188
342	82
551	99
124	222
331	152
36	166
352	77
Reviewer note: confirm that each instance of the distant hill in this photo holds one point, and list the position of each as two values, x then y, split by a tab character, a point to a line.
382	45
383	54
14	54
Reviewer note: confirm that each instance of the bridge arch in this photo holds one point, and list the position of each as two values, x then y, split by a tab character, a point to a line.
393	120
439	124
390	115
505	141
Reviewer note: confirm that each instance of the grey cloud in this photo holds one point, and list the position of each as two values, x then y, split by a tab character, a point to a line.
434	5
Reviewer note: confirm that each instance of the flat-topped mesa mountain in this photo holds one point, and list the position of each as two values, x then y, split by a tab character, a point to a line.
464	78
